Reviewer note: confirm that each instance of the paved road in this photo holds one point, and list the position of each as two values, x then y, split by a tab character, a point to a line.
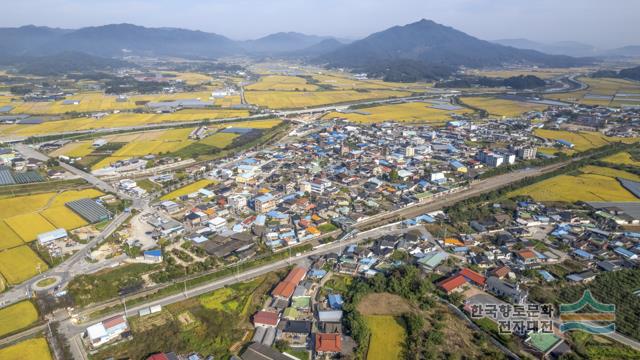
276	113
476	188
76	264
73	331
28	151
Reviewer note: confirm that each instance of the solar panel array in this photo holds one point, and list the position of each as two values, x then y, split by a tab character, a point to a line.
90	210
27	177
632	186
8	177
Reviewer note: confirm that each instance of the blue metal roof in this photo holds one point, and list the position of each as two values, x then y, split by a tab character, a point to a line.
156	252
583	254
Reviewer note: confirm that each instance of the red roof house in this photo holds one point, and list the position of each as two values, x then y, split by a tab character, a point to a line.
328	343
286	287
526	256
473	276
449	285
265	318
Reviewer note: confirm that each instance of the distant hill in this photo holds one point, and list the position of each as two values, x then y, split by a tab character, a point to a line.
21	40
433	44
417	51
570	48
62	63
324	47
115	40
630	73
628	51
282	42
519	82
118	40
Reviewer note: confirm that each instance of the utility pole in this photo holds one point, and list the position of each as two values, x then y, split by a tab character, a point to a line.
124	302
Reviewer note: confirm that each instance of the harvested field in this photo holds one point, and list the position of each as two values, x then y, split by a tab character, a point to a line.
384	304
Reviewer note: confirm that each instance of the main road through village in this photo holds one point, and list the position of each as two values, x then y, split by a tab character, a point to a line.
378	226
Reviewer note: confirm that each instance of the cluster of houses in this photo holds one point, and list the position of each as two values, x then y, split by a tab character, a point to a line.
297	315
338	175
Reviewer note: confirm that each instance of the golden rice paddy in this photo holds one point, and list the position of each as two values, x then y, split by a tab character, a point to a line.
17	316
414	112
302	99
501	107
32	349
593	184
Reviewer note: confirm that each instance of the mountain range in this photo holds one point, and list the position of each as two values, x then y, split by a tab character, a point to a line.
423	49
118	40
570	48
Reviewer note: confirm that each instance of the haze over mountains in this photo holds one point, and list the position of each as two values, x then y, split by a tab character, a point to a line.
570	48
423	49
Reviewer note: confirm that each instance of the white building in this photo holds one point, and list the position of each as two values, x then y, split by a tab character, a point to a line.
110	329
409	151
127	184
217	224
237	202
53	235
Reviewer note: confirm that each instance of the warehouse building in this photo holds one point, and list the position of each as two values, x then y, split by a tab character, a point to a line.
90	210
53	235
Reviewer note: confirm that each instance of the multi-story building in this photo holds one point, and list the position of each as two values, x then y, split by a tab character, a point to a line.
237	202
264	203
527	153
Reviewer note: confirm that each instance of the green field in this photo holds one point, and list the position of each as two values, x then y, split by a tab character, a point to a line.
592	184
32	349
215	323
387	337
17	317
234	298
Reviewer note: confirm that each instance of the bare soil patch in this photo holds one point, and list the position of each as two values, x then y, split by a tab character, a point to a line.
384	304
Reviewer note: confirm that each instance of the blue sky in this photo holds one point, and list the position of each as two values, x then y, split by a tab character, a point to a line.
609	23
